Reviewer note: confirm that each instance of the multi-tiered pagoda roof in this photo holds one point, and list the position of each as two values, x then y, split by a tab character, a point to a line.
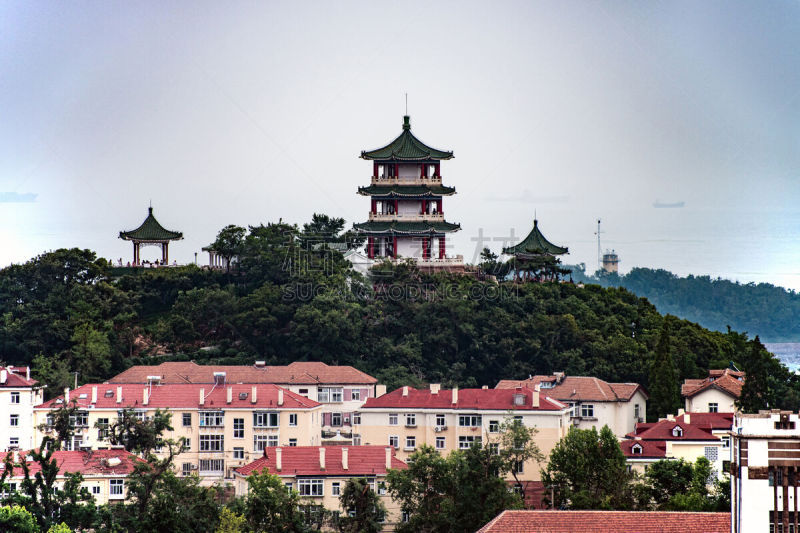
406	147
535	244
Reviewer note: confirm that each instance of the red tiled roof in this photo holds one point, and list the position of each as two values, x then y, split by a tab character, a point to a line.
577	388
607	522
700	427
728	381
184	396
297	373
15	377
650	449
97	462
304	461
477	399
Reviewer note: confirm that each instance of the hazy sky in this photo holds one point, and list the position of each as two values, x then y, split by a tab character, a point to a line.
247	112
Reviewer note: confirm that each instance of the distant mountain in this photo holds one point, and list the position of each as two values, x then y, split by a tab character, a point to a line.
761	309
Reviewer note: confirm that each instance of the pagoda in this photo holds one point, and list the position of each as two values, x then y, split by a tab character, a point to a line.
406	218
535	258
150	232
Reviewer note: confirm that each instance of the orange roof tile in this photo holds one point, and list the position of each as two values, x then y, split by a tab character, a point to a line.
305	461
15	377
699	427
183	396
607	522
297	373
577	388
728	381
96	462
473	399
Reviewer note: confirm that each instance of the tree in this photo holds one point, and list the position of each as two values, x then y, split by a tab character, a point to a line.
664	397
364	510
229	243
666	478
138	435
270	507
231	522
587	470
517	446
755	390
17	519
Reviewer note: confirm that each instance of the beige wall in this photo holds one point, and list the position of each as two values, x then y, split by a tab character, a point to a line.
375	429
307	433
102	482
699	402
618	416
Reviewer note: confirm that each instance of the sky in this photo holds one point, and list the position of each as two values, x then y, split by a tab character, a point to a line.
249	112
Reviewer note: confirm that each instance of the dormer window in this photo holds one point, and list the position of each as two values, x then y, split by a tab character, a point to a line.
546	385
677	431
636	449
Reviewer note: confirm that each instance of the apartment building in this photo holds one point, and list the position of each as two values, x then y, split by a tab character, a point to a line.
716	393
319	473
765	472
593	403
104	471
341	390
448	420
222	427
18	394
687	436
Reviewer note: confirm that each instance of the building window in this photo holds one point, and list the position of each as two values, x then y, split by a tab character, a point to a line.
713	407
636	411
304	392
117	487
406	516
494	447
13	421
336	419
356	439
469	420
288	486
440	443
411	420
677	431
465	442
335	488
212	419
775	478
187	419
292	419
238	453
212	465
13	442
356	419
636	449
411	443
394	441
292	442
356	394
392	420
14	397
494	426
80	419
726	441
329	395
212	443
441	421
95	490
102	428
238	428
587	410
310	487
711	453
259	442
186	469
186	444
262	419
519	467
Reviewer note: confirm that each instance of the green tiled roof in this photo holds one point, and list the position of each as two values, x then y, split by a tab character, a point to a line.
150	230
406	228
406	190
406	148
535	244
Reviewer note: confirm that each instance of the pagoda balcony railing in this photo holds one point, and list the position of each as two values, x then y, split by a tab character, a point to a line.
453	260
405	217
433	180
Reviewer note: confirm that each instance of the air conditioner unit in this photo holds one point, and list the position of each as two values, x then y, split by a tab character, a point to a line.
194	467
437	429
576	421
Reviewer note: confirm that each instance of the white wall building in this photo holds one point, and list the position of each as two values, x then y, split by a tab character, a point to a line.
18	394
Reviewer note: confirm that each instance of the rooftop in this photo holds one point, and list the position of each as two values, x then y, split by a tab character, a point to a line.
178	396
305	461
466	399
699	426
297	373
406	147
407	228
649	449
535	244
576	388
13	377
607	522
727	380
398	190
96	462
150	230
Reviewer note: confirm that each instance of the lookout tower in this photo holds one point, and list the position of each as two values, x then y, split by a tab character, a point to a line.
150	233
406	218
611	261
536	258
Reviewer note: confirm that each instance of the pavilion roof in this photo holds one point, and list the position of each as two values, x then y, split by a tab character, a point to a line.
150	230
535	243
406	190
406	147
406	228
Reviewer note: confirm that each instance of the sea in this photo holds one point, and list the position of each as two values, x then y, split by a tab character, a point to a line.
787	352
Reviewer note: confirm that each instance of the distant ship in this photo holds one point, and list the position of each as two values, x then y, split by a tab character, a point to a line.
664	205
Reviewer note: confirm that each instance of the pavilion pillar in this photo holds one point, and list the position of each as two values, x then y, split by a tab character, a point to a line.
374	206
424	202
371	247
374	169
439	206
394	246
396	206
135	253
165	253
441	247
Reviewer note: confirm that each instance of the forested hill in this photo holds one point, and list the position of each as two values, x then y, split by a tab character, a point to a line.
289	298
771	312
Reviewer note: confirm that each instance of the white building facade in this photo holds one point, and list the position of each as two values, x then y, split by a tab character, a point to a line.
18	394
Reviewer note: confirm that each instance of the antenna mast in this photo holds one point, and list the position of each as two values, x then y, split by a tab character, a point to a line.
599	249
406	103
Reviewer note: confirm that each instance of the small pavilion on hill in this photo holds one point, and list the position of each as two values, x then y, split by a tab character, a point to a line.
536	258
150	233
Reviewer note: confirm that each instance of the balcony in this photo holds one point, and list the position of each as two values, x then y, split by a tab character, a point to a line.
406	217
380	180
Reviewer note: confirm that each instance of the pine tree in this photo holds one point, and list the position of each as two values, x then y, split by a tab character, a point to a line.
664	397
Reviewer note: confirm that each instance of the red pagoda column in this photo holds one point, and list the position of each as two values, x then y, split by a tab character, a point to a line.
439	206
396	206
371	247
423	206
441	247
374	205
394	246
